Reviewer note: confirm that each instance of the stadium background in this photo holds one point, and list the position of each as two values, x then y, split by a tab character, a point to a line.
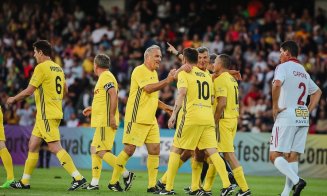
250	31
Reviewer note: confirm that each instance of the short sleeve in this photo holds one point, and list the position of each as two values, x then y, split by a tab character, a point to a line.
312	87
37	77
220	88
279	74
143	78
182	80
108	83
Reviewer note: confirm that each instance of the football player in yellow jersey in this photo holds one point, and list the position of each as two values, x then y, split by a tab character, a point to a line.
195	124
5	155
105	119
226	116
141	125
48	85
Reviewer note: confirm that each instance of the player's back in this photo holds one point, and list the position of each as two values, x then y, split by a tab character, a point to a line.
49	79
197	105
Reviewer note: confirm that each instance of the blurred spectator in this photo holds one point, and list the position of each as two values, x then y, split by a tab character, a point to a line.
26	114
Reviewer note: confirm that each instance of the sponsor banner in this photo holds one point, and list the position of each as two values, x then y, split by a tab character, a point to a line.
252	150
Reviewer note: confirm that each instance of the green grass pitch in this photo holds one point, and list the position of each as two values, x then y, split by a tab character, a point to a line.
55	181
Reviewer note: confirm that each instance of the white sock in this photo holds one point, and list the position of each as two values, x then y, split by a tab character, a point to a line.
283	166
95	181
288	182
125	173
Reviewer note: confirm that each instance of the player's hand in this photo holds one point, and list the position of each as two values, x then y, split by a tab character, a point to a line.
112	123
10	101
169	110
276	111
171	49
236	74
87	111
187	68
171	75
172	121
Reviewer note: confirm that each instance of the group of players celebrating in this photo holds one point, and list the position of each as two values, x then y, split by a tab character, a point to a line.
205	115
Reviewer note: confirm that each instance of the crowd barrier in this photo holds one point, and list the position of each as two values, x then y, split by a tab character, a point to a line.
252	149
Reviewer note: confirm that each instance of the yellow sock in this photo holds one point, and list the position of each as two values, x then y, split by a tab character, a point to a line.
96	166
7	163
240	179
164	177
153	166
119	166
30	164
111	160
68	164
196	174
210	178
172	170
220	166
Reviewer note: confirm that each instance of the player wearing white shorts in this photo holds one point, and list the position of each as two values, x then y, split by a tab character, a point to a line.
291	87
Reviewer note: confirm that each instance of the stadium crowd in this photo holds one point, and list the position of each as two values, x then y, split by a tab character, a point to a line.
251	35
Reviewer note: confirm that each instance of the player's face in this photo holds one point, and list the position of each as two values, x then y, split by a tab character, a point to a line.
154	58
203	60
37	55
284	56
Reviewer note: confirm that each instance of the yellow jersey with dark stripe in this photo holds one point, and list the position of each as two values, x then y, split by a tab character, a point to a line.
226	86
197	106
49	80
101	100
141	107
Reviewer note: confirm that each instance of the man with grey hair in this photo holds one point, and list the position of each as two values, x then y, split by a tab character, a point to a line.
141	125
104	119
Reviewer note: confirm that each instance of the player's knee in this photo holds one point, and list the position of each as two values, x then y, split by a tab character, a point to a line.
129	149
54	147
293	157
33	146
273	156
154	150
199	156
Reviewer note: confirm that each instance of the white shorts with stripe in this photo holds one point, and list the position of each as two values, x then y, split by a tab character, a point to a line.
288	139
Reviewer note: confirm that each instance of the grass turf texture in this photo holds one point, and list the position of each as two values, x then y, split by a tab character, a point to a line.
55	181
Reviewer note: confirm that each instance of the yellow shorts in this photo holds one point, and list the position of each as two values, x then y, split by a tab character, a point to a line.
47	129
2	129
226	134
191	136
139	134
103	138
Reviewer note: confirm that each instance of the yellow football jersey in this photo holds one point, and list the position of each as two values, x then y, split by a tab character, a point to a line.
141	107
49	79
197	105
226	86
101	100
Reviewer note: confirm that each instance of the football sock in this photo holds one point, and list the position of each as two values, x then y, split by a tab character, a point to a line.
68	164
153	166
164	177
283	166
119	166
96	169
111	159
30	164
220	166
240	179
210	177
288	182
7	163
196	174
172	169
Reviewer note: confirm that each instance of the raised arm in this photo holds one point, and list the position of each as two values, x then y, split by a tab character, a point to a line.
150	88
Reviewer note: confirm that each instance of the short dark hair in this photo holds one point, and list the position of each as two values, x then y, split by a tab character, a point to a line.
202	49
102	60
226	61
291	47
213	57
191	55
44	46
